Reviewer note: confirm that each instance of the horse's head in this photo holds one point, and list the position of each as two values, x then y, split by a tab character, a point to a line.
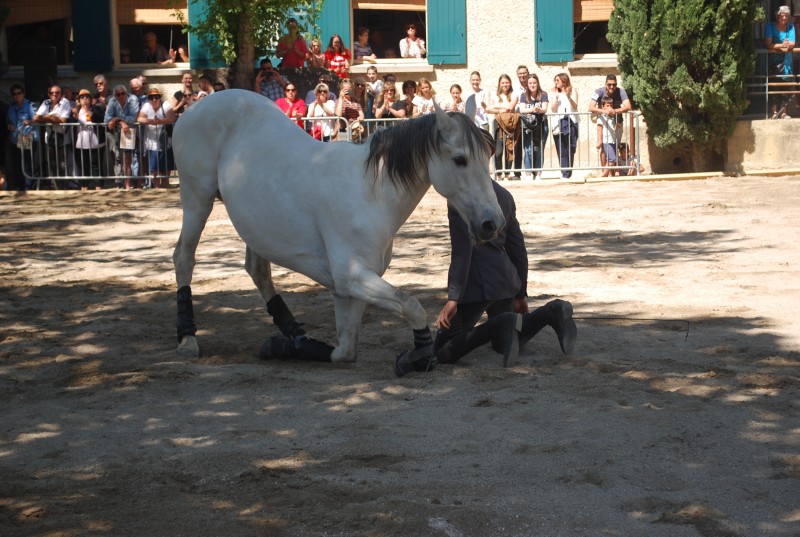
460	172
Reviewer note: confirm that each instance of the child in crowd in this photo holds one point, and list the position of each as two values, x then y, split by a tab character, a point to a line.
626	159
456	103
375	83
608	135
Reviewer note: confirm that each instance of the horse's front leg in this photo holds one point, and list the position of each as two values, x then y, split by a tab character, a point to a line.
348	312
372	289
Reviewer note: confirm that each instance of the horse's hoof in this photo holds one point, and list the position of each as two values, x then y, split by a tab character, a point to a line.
342	359
188	348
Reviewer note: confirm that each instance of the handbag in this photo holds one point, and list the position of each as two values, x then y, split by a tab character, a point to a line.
529	121
316	132
562	127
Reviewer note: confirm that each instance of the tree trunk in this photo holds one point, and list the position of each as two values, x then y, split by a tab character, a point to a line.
245	52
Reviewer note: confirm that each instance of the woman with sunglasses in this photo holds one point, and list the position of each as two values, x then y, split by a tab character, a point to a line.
322	106
89	139
155	115
387	106
293	107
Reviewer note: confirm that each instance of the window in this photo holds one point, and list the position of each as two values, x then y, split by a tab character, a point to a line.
441	23
136	18
38	28
569	28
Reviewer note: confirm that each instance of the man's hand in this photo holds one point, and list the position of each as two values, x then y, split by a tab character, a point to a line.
447	314
520	306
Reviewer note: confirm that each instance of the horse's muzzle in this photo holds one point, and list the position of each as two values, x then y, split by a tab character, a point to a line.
487	231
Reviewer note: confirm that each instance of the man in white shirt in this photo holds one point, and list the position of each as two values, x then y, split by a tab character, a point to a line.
521	83
53	112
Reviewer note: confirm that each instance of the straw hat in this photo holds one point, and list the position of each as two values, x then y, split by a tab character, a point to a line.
85	92
153	91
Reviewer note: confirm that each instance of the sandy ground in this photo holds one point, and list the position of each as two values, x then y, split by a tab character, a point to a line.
678	414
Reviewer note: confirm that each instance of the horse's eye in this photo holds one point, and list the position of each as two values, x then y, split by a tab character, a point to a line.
460	161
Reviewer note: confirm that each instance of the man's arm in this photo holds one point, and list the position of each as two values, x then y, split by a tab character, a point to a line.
515	248
460	255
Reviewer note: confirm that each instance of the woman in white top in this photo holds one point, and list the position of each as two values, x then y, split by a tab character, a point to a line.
412	46
423	101
87	141
155	114
565	127
322	129
502	101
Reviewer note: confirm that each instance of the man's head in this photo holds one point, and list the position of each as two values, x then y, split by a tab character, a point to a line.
266	64
120	94
100	84
522	75
611	84
136	86
54	93
150	40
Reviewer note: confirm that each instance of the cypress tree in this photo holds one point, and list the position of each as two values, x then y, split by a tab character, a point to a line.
686	62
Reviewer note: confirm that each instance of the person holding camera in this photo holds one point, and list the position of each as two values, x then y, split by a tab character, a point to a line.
532	108
184	97
269	82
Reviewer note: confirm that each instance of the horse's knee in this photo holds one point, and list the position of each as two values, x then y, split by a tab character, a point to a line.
188	348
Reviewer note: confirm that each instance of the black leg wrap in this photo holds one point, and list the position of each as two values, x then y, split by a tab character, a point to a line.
283	318
422	337
186	326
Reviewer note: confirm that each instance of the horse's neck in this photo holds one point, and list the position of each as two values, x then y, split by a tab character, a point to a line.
403	201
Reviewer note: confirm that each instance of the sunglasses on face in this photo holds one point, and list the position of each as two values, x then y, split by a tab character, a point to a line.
291	89
611	85
153	97
54	93
120	94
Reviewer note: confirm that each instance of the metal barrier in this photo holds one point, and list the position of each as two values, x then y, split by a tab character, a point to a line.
59	155
88	155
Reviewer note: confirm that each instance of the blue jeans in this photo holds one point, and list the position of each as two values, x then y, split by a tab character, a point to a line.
533	149
566	143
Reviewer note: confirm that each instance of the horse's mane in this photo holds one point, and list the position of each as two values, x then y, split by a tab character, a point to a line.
405	148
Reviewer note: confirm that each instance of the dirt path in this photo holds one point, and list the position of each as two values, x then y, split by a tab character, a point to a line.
642	432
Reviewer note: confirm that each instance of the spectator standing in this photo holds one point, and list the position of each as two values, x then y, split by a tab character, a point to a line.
522	81
620	103
412	46
481	100
337	58
409	93
184	97
269	82
361	49
120	117
565	130
19	122
423	102
533	102
155	53
89	139
779	38
609	134
102	91
492	277
292	49
348	107
386	104
361	94
312	94
54	112
155	114
293	107
315	56
137	92
456	103
322	107
503	104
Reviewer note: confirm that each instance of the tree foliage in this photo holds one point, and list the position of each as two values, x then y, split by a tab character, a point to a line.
686	62
238	31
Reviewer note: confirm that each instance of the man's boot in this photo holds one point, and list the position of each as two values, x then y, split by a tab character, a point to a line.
302	348
556	314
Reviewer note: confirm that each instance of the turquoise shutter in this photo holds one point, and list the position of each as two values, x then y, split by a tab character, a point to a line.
554	31
91	27
199	56
447	32
334	18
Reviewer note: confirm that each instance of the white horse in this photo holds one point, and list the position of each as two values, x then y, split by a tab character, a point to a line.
327	210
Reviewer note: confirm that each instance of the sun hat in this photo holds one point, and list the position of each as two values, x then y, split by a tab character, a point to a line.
85	92
153	91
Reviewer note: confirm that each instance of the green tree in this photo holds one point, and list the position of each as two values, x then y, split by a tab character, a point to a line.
239	31
686	62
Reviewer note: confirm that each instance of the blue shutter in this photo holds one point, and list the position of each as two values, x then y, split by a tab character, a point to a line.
334	18
91	32
447	32
554	42
199	56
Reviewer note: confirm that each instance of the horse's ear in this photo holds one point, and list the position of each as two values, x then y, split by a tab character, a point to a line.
470	108
445	123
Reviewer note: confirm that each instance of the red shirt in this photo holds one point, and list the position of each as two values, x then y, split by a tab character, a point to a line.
292	58
292	110
337	61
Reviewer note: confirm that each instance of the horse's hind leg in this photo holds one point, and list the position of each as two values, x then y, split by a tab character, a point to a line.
196	209
300	345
